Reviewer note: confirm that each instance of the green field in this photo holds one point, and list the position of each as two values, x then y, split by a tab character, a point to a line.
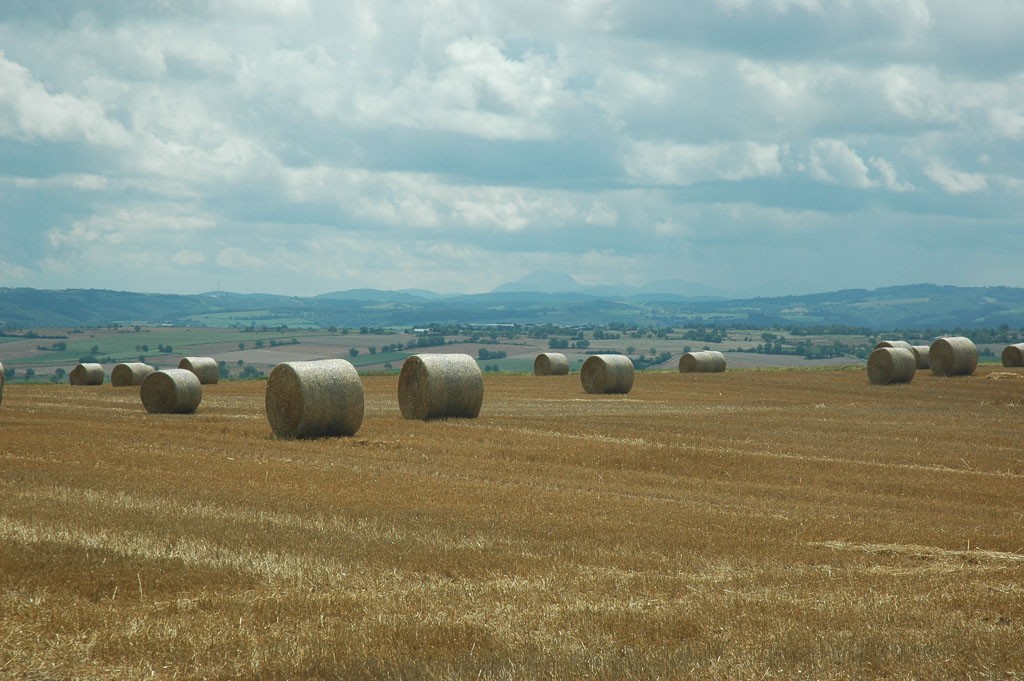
245	352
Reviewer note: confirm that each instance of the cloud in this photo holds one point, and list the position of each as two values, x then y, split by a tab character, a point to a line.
28	111
83	182
684	164
832	161
889	179
233	257
955	181
308	145
474	88
601	214
186	258
1008	122
131	228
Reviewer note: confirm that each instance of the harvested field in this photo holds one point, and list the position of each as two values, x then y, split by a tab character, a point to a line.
750	524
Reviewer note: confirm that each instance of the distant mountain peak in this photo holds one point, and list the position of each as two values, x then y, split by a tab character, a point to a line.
542	281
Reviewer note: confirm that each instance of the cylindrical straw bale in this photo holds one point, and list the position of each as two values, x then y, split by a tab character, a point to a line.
954	356
921	353
87	374
314	399
891	365
438	386
893	344
602	374
205	368
171	391
702	361
129	373
1013	355
551	364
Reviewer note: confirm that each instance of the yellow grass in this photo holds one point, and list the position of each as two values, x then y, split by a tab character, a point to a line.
739	525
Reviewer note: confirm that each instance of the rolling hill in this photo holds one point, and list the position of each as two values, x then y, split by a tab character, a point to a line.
921	306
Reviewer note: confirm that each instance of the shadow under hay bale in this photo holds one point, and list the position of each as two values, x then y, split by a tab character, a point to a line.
87	374
954	356
891	365
702	361
439	386
550	364
1013	355
921	353
314	399
205	368
607	374
129	374
171	391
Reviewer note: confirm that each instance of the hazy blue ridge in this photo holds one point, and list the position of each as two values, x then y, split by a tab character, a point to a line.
921	306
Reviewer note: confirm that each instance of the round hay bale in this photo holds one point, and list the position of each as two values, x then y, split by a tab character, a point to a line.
171	391
205	368
438	386
1013	355
702	361
603	374
314	399
921	353
129	374
3	379
551	364
891	365
87	374
954	356
893	344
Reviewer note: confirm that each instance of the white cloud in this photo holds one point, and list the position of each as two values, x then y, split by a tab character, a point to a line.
475	90
889	179
832	161
136	226
417	201
233	257
773	5
434	141
1008	122
186	258
601	214
954	181
683	164
29	111
273	9
83	182
13	273
670	228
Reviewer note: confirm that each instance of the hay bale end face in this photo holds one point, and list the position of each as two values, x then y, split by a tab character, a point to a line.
314	399
921	353
129	374
205	368
87	374
607	374
440	386
171	391
1013	355
891	365
551	364
893	344
702	361
954	356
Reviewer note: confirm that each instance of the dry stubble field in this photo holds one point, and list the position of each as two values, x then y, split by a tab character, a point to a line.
739	525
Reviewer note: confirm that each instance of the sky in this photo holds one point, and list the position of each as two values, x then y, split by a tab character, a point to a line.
756	147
